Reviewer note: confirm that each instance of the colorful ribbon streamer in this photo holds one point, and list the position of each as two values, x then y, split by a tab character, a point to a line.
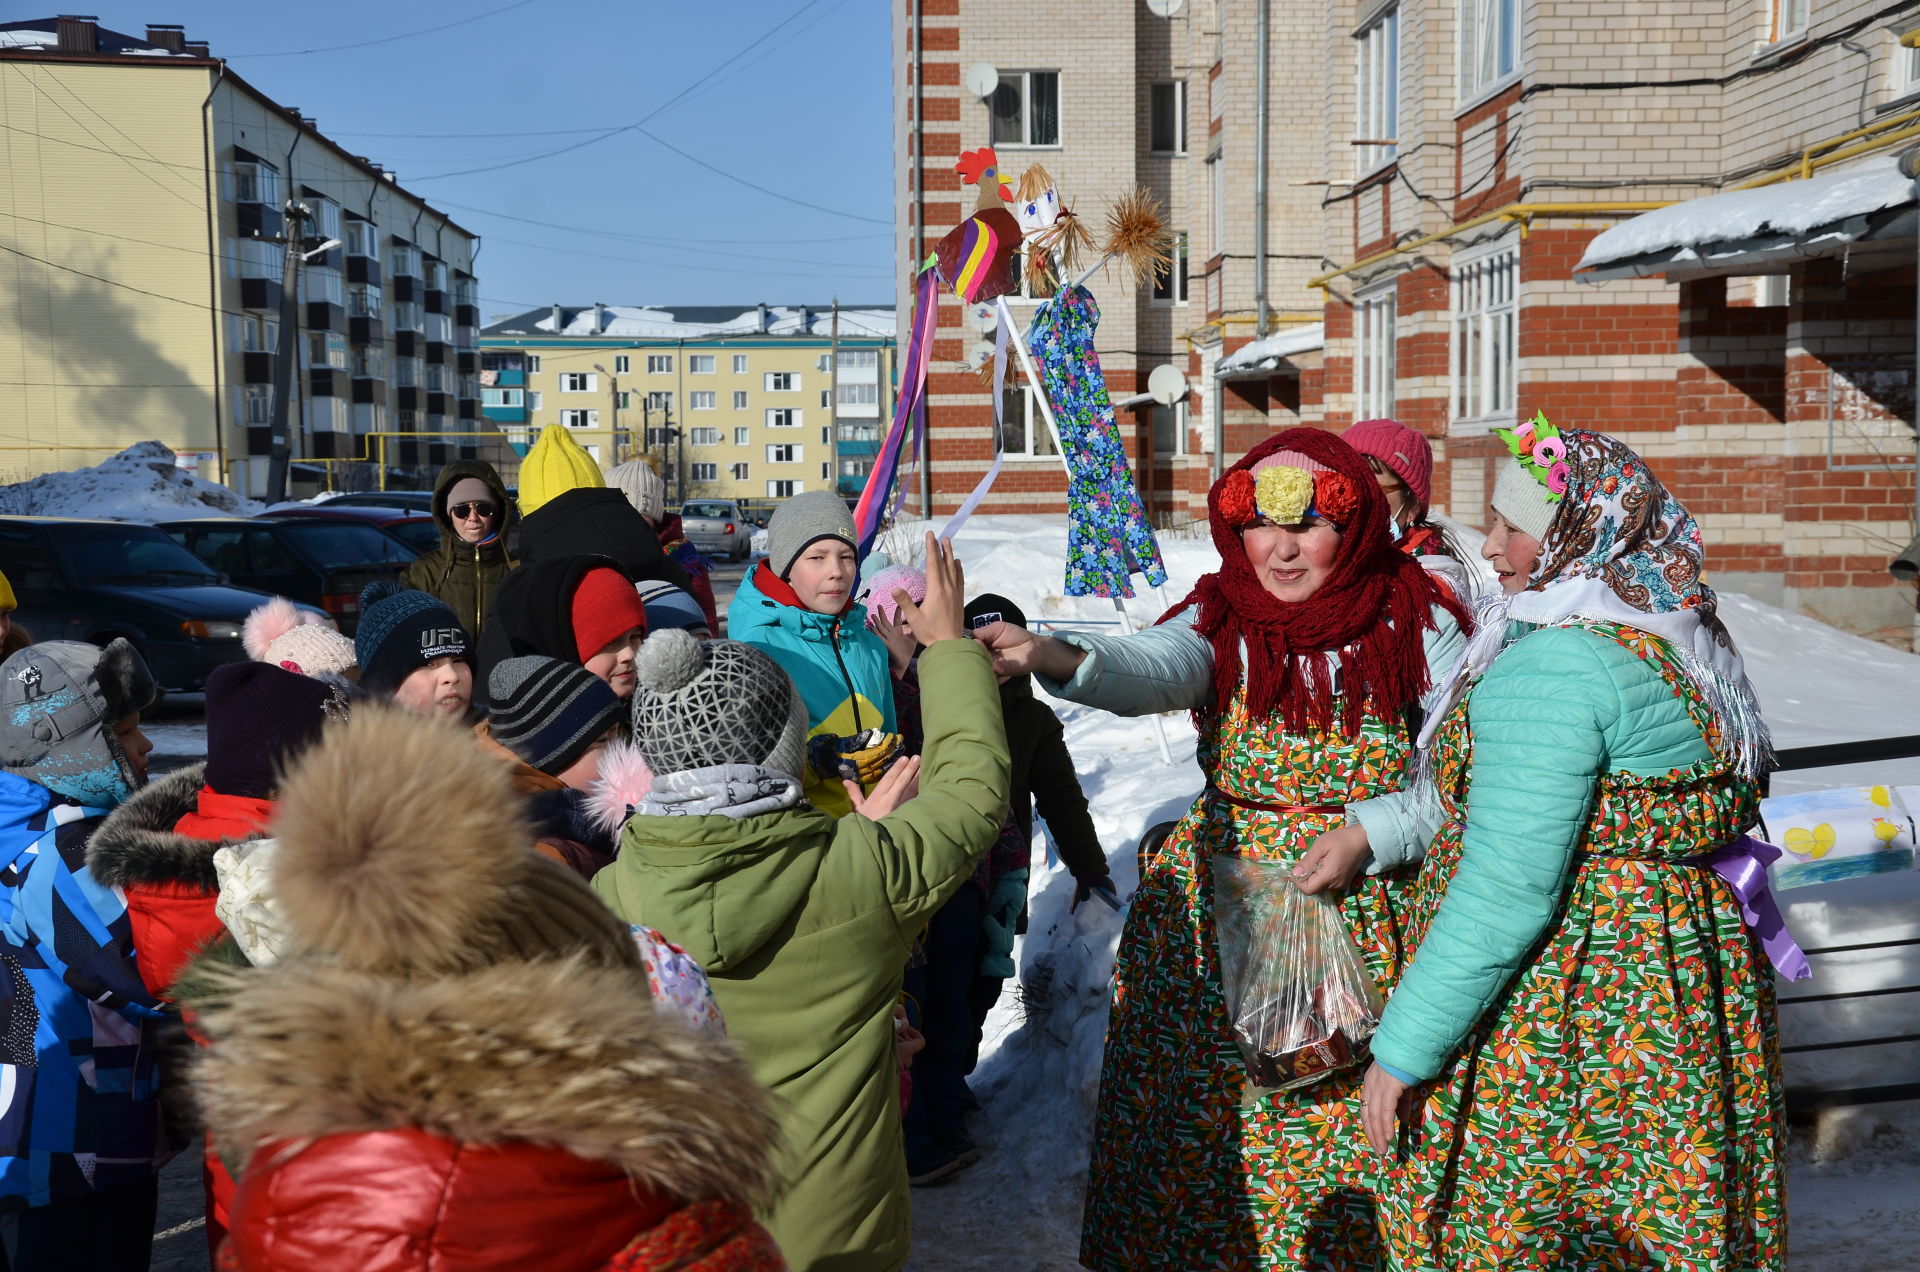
874	503
999	425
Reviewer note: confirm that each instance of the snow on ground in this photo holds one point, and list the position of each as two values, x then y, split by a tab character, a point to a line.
1018	1209
141	483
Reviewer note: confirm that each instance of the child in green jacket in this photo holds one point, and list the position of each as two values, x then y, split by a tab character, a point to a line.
802	923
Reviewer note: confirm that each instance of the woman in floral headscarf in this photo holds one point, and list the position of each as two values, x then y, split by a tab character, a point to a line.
1590	1018
1306	659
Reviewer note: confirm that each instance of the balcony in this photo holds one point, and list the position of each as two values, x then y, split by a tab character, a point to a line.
260	293
366	331
324	315
256	367
363	269
467	361
369	391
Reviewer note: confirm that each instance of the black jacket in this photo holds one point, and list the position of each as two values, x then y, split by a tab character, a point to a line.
1044	777
591	520
533	614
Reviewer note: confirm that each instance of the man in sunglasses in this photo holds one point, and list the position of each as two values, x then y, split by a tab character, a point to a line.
470	504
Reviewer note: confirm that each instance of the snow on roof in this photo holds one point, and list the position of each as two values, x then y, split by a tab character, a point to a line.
141	483
1266	354
27	39
657	322
1745	226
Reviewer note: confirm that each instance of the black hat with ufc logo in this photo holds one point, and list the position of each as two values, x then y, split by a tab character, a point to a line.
401	631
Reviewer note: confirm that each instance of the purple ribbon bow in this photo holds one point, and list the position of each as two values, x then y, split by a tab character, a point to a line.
1743	864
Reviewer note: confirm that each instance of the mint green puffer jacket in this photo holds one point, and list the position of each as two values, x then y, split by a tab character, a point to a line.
1558	708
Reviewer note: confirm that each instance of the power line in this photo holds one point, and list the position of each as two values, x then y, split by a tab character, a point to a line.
766	35
661	240
389	39
702	163
129	160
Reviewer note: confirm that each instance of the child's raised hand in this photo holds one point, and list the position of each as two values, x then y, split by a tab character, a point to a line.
901	646
900	784
943	615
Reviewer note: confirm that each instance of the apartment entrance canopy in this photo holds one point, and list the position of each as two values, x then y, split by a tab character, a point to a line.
1866	213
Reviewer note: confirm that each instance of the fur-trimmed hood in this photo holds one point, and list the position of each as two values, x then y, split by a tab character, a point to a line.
561	1053
137	846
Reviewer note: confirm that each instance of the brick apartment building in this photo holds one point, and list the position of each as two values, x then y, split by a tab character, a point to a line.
1436	173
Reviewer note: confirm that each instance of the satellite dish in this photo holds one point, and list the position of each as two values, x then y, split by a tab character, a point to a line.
1165	8
981	78
1167	384
981	354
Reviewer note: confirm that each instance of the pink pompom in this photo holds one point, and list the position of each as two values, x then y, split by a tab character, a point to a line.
624	781
269	623
1557	478
1549	451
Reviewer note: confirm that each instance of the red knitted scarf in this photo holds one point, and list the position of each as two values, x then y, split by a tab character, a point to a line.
1358	636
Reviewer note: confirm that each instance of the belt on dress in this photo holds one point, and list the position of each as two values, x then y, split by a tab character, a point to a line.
1262	806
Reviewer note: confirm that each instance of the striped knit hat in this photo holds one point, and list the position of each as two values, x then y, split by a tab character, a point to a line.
548	712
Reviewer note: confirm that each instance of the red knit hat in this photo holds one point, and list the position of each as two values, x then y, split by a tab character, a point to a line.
605	607
1405	451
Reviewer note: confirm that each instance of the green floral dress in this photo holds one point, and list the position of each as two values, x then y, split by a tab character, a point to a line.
1183	1177
1622	1105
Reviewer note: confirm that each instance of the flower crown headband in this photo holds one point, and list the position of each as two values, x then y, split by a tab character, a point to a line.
1286	495
1541	452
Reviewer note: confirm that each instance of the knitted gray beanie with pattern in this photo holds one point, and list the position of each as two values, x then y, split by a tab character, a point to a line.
703	703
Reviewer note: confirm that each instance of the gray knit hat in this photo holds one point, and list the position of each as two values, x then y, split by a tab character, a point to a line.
701	703
548	712
803	520
644	488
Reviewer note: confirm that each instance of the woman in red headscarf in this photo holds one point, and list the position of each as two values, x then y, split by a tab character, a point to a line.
1306	659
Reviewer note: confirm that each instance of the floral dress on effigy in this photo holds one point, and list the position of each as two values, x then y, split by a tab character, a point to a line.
1621	1105
1183	1177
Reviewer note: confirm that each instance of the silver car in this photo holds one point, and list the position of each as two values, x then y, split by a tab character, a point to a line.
718	528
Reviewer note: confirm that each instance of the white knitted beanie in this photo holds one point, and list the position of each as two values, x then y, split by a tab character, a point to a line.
1522	500
645	489
297	640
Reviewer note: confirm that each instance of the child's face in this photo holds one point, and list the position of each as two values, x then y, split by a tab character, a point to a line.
134	743
823	576
443	689
614	663
584	771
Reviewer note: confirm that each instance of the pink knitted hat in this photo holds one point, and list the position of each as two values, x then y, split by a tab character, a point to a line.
1405	451
295	639
878	594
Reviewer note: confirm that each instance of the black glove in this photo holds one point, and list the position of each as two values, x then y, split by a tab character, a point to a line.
1095	886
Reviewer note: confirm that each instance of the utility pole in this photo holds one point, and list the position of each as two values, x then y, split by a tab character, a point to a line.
614	447
280	449
677	438
833	402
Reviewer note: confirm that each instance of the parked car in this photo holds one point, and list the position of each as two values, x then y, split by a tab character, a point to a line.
415	529
717	527
81	579
411	500
323	563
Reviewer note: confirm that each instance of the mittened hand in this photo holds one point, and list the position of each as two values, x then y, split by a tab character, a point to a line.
1085	890
861	758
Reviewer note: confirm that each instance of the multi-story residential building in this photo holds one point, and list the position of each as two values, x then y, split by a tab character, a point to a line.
142	224
1679	224
752	402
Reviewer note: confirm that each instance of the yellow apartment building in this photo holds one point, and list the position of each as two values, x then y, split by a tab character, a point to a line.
753	403
144	202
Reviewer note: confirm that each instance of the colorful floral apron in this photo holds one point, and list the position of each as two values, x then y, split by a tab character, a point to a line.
1622	1106
1183	1178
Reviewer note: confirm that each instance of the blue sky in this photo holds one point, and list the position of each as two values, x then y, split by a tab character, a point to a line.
805	112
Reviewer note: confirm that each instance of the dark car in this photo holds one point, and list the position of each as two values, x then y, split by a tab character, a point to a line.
321	563
78	579
415	529
411	500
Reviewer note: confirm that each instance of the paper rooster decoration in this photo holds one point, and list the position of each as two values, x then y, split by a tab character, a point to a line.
976	258
1053	236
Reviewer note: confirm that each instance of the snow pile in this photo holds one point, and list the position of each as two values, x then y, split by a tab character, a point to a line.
141	483
658	322
1267	353
1040	1064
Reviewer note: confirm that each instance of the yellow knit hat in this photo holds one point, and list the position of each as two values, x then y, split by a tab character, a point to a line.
7	603
555	465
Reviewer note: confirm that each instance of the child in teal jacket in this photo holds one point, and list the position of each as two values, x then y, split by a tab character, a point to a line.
798	605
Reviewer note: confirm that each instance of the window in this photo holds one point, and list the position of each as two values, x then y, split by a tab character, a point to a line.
326	349
436	378
739	364
859	359
580	418
323	219
1026	109
739	472
659	364
370	362
1170	428
502	362
1217	190
1485	329
439	328
857	394
785	453
705	472
406	316
624	399
660	400
826	471
859	432
1376	119
256	403
825	435
704	436
1024	432
700	364
1790	18
502	397
436	275
1490	42
1373	354
322	285
255	182
622	364
256	333
404	259
533	399
784	417
739	399
1171	287
579	382
1904	76
254	258
407	421
533	362
702	401
1167	117
783	381
363	300
362	239
782	489
659	437
824	400
406	373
